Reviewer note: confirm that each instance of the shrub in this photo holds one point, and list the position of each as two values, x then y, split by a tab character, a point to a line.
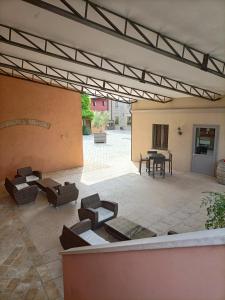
215	205
100	119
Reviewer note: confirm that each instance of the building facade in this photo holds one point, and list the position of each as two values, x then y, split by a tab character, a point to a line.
192	129
118	112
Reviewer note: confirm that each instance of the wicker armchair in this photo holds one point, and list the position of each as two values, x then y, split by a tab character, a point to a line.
30	175
62	194
98	211
20	191
79	235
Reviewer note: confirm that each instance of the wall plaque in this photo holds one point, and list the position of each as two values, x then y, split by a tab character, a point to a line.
32	122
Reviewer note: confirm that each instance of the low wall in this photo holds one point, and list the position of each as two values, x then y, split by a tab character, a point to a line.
183	266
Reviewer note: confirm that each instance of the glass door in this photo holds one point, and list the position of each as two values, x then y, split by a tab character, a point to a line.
204	149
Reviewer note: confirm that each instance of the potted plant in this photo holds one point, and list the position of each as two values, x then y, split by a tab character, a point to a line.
215	203
98	126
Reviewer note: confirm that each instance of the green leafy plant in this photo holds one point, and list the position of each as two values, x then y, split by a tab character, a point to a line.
100	119
215	205
87	113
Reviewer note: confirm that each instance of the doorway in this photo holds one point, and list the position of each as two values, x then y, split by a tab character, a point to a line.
204	149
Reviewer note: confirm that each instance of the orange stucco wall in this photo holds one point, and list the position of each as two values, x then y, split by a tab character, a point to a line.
59	147
195	273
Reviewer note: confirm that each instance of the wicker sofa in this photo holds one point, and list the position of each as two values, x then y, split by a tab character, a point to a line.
98	211
30	175
80	234
62	194
20	191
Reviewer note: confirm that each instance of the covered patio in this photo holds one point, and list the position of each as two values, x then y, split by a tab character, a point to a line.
30	264
166	60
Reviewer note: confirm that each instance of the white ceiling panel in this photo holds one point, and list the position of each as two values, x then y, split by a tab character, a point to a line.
199	23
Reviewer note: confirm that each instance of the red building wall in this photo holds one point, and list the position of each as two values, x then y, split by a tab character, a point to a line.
99	104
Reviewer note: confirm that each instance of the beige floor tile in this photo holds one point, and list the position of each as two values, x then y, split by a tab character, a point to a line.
30	263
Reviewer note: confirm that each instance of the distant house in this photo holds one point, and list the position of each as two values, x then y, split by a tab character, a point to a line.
99	104
119	112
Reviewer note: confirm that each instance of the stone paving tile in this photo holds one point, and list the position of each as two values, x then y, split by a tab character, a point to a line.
30	264
44	273
10	259
51	290
31	294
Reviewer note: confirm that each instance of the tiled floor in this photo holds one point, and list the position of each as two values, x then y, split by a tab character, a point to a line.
30	264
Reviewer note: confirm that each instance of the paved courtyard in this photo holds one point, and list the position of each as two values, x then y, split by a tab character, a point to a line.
30	264
112	158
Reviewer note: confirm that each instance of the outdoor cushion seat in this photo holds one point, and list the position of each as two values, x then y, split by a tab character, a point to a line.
80	235
103	213
62	194
20	191
21	186
92	238
31	178
98	211
30	175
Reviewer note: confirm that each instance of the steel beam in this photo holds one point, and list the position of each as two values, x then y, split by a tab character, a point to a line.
78	80
93	15
26	40
56	83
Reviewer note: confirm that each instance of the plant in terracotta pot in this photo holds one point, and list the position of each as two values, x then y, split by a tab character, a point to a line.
215	205
98	126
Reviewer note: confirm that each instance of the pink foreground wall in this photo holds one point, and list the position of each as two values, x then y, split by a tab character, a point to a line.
195	273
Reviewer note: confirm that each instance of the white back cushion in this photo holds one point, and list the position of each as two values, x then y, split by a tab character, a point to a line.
103	213
31	178
92	238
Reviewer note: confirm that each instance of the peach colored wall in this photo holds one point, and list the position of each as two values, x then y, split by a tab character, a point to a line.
59	147
195	273
182	113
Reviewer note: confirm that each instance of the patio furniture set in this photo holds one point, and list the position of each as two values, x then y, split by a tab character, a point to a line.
95	213
25	186
156	163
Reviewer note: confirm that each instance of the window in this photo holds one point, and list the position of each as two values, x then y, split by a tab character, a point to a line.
129	120
103	103
116	120
116	104
94	103
160	136
204	140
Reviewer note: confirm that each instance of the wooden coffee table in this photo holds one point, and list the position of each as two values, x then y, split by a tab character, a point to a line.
43	184
124	229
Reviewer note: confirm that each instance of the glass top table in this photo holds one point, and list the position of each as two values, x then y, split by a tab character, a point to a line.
125	229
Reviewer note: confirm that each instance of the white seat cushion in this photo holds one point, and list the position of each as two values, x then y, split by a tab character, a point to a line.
103	213
31	178
92	238
21	186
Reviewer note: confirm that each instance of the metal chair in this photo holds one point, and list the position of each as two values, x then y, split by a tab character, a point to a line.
170	161
158	165
148	163
146	159
152	152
